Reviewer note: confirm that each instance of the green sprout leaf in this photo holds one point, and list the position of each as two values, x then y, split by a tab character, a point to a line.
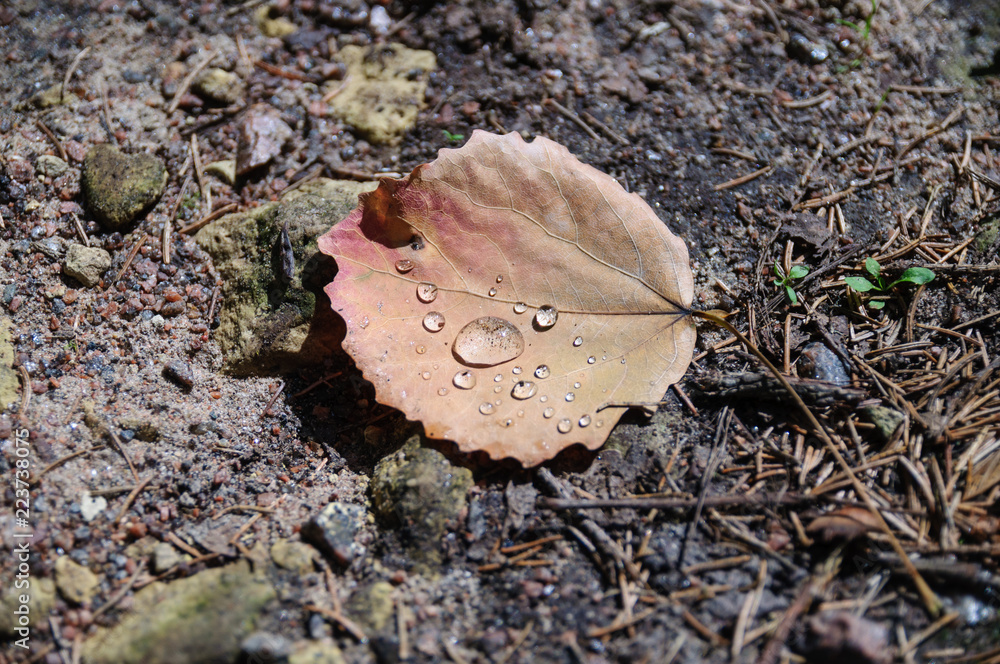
859	284
875	304
798	271
454	138
792	297
872	267
914	275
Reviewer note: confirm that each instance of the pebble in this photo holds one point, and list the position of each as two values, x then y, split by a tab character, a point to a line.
332	530
219	85
119	187
262	133
86	264
51	165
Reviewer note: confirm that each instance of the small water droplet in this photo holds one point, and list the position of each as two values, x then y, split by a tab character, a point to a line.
570	396
543	398
426	375
426	292
404	265
507	423
364	323
443	391
497	389
599	423
524	389
546	316
520	413
564	426
576	385
584	421
591	359
499	278
465	380
433	321
498	401
623	360
488	341
516	371
548	412
604	358
542	371
492	292
578	341
486	408
497	378
520	307
421	350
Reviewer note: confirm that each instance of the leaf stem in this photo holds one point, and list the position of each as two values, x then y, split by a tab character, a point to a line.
931	601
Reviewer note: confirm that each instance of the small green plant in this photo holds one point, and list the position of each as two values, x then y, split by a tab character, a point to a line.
865	29
783	280
454	138
878	283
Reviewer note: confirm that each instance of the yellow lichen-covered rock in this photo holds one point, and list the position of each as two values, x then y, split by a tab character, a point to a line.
384	89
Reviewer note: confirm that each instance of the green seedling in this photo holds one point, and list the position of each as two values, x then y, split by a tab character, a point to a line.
865	29
783	280
454	138
879	284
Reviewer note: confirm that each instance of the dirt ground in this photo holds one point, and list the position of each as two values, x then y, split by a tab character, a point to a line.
766	134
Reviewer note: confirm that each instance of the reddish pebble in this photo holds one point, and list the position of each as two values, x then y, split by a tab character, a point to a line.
136	530
172	296
70	296
215	395
15	304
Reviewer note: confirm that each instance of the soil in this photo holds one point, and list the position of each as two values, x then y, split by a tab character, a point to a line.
862	137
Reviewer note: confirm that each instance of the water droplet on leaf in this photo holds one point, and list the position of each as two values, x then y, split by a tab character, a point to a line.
523	390
443	391
488	341
578	341
426	292
492	292
570	396
516	371
548	412
542	371
364	323
486	408
497	378
499	278
404	265
546	316
584	421
520	307
564	426
421	349
465	380
591	359
434	321
426	375
576	385
543	398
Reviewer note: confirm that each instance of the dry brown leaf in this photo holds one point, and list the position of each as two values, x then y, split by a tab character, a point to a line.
843	524
505	292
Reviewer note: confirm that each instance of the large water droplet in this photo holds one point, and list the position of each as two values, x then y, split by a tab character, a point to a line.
488	341
426	292
542	371
404	265
520	307
591	359
497	378
433	321
421	349
465	380
546	316
578	341
486	408
564	426
426	375
584	421
576	385
492	292
548	412
516	371
570	396
499	278
523	390
363	323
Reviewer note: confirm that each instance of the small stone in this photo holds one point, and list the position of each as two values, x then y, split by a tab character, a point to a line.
118	187
179	373
262	133
51	165
171	309
294	556
86	264
885	419
75	582
819	362
41	600
92	506
164	557
316	652
272	26
266	648
333	531
372	606
224	169
53	247
219	85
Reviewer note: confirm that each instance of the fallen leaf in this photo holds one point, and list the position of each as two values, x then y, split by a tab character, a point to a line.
843	524
505	292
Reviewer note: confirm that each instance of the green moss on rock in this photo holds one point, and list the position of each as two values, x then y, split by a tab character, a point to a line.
118	187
